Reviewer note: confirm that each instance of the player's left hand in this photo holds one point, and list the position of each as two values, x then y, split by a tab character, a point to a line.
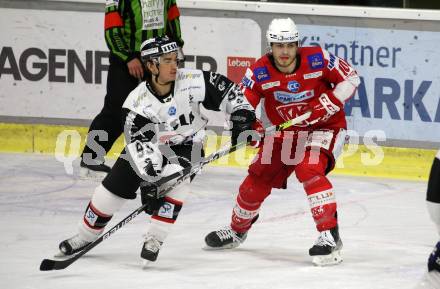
150	197
434	259
242	120
322	108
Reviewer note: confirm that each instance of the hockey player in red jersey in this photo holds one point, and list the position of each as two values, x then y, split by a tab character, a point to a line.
293	80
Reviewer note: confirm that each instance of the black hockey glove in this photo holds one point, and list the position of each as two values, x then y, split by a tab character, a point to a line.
242	120
150	197
434	259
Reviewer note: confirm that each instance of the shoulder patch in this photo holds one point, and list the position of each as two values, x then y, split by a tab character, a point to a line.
261	74
316	61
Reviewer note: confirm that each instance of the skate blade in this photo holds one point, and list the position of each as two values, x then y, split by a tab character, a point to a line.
327	260
86	174
227	247
145	264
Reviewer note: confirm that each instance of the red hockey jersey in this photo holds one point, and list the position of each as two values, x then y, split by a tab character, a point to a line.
317	72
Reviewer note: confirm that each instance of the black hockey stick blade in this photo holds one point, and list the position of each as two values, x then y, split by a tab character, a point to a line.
49	265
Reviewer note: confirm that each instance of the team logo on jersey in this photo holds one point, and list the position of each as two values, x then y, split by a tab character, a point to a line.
172	111
291	110
316	61
313	75
287	97
261	74
293	86
270	85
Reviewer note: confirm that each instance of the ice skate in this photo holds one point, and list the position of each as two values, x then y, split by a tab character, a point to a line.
327	248
93	171
150	250
71	246
225	238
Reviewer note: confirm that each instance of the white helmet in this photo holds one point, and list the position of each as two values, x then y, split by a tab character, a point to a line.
282	30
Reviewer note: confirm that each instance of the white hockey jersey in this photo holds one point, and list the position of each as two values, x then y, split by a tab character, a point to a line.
176	118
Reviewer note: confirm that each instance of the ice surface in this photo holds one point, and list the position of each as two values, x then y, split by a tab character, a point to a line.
384	225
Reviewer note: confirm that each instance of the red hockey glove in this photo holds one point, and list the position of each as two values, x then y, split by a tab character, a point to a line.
322	108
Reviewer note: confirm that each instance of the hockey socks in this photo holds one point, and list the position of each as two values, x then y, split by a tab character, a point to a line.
326	249
322	202
98	213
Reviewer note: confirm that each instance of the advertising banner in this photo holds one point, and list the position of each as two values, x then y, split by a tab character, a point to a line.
53	68
52	63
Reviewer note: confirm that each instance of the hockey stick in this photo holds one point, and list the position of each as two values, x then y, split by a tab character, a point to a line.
49	264
188	171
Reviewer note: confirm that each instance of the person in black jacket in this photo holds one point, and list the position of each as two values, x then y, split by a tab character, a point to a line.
127	24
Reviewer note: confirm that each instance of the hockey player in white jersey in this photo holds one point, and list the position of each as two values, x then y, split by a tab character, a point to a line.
164	131
432	279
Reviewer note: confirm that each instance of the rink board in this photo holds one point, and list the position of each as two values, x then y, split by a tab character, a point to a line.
67	68
398	163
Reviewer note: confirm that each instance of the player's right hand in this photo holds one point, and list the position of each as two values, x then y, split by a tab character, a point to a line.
322	108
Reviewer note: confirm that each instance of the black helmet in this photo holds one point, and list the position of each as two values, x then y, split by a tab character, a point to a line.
155	47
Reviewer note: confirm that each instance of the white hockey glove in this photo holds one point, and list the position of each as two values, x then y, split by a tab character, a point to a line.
146	158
